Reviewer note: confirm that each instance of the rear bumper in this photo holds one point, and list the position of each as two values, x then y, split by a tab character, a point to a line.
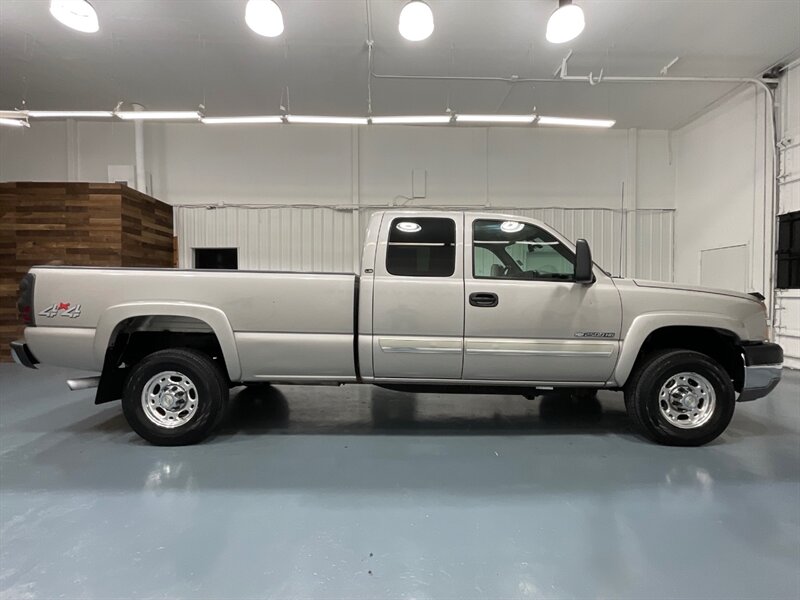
763	364
22	355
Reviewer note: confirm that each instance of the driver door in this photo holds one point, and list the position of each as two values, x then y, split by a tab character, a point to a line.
525	318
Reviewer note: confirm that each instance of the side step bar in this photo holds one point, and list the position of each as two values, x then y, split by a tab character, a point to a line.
83	383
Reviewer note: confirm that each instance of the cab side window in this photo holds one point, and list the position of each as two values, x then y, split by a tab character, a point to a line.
421	247
516	250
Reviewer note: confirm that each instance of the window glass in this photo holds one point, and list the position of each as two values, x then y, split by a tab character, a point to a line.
421	247
515	250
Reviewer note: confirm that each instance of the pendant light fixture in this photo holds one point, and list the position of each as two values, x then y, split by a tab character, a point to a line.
416	21
566	23
75	14
264	17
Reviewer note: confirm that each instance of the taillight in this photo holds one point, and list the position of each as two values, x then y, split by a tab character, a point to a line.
25	300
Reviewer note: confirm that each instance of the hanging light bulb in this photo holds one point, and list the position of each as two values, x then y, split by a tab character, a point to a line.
566	23
76	14
416	21
511	226
264	17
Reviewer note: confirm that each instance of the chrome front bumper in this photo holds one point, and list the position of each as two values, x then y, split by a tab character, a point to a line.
762	370
759	381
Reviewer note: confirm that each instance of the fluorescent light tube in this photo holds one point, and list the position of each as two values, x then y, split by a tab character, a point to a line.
241	120
411	120
163	115
67	114
14	122
13	114
570	122
326	120
495	118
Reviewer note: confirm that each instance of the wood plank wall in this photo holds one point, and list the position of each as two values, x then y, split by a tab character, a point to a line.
86	224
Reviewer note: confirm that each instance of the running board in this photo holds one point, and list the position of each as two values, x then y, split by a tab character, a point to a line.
84	383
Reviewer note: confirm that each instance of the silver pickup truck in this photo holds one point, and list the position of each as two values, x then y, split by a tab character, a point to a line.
445	301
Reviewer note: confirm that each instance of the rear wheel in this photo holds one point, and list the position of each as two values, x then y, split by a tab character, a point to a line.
175	397
680	398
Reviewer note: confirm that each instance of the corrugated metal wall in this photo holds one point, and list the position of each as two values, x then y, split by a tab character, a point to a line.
606	231
655	243
328	238
270	239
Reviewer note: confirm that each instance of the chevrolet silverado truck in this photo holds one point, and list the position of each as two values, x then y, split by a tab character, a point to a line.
444	301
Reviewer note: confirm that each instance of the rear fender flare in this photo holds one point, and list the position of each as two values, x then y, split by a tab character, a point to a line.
210	315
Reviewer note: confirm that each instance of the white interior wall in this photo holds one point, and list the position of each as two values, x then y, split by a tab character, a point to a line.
100	145
465	166
35	154
243	164
720	192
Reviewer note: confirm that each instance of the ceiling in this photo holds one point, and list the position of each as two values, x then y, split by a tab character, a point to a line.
179	54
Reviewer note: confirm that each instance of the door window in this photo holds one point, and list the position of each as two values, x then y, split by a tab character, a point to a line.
516	250
421	247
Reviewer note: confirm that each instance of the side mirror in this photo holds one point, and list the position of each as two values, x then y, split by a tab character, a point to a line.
583	262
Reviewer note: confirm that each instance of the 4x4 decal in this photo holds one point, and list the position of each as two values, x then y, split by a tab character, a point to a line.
62	309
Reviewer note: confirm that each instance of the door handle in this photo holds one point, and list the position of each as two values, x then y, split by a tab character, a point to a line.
484	299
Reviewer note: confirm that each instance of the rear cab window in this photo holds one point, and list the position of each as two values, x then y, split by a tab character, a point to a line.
421	247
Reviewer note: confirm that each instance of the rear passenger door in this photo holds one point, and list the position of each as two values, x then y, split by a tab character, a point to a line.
418	297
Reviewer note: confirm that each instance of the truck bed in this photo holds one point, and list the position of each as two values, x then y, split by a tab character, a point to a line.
284	325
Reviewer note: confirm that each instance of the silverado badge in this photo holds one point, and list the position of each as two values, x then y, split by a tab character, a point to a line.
594	334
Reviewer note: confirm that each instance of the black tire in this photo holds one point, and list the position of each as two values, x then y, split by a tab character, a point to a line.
210	391
644	405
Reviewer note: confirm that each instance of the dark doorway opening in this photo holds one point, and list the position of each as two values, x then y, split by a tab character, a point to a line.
216	258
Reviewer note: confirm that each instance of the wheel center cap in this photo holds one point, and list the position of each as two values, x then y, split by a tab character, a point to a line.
168	400
689	401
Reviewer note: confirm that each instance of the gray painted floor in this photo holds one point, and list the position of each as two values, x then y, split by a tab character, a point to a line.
361	493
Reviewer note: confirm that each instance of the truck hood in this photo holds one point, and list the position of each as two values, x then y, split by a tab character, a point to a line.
693	288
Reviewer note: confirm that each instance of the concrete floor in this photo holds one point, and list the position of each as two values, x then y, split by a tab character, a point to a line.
357	492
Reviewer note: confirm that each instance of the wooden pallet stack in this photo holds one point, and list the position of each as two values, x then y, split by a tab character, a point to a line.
86	224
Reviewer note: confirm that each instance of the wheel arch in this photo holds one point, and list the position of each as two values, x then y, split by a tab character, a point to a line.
714	335
117	318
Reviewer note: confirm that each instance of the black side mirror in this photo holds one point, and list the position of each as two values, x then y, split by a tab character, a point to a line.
583	262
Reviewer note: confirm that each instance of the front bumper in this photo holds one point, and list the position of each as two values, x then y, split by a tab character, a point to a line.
762	370
22	355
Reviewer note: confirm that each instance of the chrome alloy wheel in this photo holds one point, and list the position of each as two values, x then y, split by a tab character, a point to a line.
169	399
687	400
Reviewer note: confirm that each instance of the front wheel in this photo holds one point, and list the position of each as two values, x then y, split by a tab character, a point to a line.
680	398
175	397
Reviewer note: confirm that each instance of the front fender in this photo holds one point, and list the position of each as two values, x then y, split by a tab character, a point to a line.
210	315
643	325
